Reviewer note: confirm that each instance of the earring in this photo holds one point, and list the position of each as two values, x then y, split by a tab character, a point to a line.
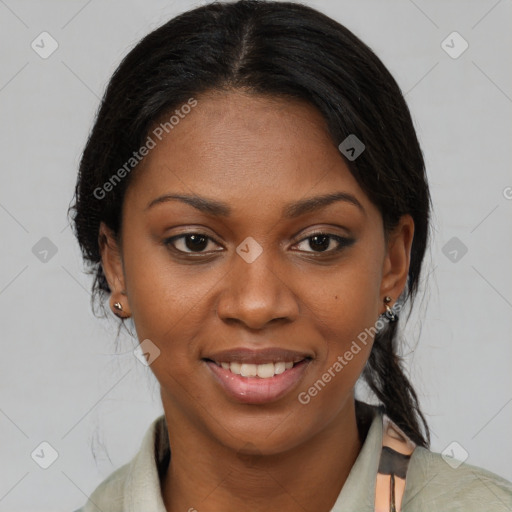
119	308
390	314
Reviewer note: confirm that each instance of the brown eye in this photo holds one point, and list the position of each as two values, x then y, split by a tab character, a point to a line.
189	242
321	242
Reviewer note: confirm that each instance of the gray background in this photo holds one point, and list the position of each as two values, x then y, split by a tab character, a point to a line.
62	378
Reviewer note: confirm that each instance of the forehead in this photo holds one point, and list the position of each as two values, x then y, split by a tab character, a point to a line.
238	145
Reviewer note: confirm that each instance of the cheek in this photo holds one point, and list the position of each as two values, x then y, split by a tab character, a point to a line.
345	309
163	299
346	302
346	324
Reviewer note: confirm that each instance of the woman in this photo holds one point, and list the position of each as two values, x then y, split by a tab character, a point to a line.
253	196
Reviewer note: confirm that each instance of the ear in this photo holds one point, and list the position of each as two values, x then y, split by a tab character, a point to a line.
397	259
112	265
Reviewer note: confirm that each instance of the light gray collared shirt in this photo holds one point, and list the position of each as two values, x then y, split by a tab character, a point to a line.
431	485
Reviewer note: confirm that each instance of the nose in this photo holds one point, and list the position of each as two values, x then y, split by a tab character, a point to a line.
257	293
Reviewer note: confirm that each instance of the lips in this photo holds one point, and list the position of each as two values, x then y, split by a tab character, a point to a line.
265	355
257	376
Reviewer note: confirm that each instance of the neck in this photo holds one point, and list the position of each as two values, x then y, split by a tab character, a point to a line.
205	476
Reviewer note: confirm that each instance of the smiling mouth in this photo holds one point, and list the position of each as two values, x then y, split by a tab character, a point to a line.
258	376
262	371
258	383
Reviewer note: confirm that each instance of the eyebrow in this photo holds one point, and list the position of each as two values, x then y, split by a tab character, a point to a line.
290	211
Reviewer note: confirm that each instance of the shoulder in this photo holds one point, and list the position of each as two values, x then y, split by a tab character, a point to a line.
435	484
135	485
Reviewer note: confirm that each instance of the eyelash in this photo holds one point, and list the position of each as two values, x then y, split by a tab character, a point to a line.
343	242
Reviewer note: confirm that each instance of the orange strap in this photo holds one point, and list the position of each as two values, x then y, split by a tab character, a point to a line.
394	461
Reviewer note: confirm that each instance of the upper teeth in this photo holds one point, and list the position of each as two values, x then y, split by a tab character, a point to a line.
264	371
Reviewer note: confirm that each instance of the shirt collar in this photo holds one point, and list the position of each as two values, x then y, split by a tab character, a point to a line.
358	492
143	491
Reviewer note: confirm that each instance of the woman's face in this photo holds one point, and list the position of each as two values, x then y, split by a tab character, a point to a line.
233	279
